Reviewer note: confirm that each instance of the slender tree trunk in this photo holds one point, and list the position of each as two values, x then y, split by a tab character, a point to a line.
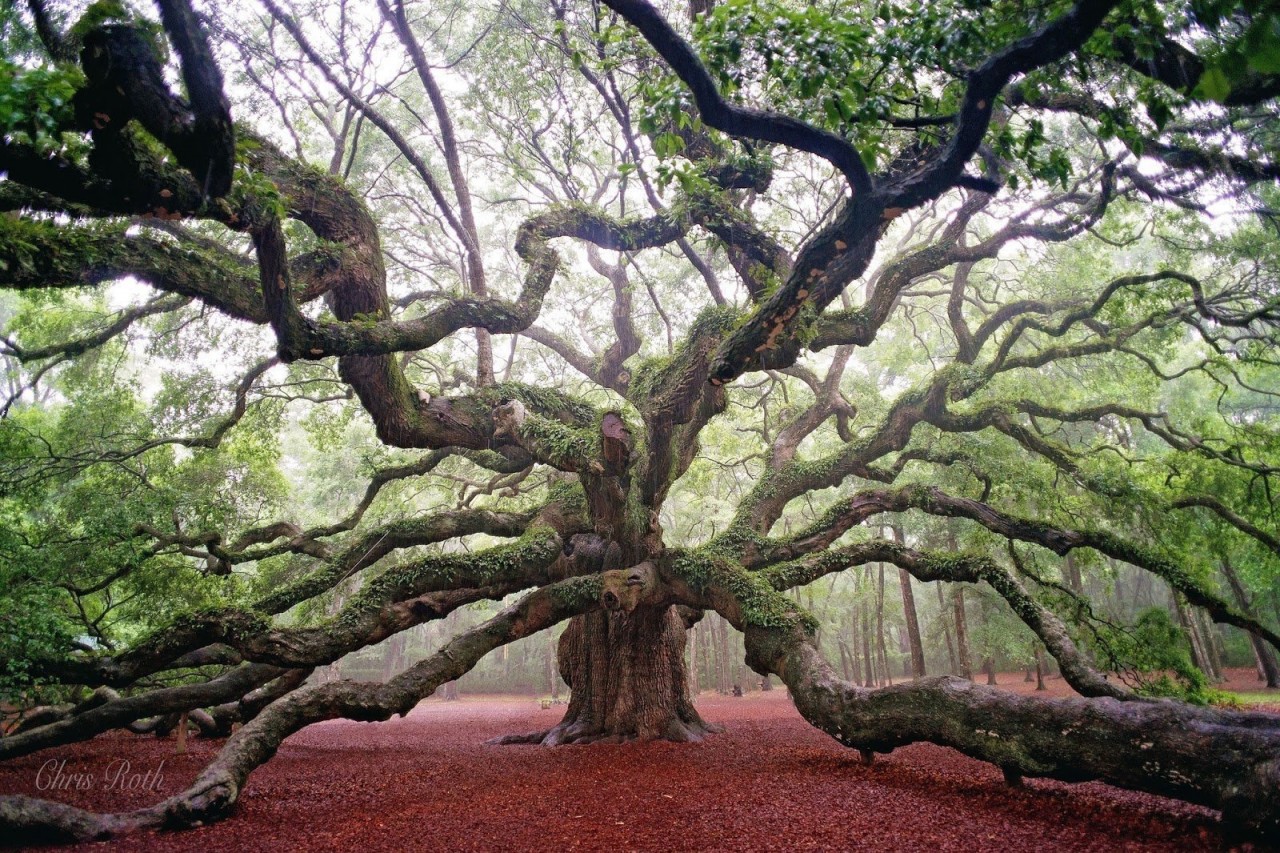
989	667
884	651
844	660
1265	664
703	637
695	682
1199	655
855	668
868	658
953	667
553	678
700	7
1145	590
1071	574
1212	644
904	649
723	664
709	653
1039	668
1269	670
909	615
393	660
913	626
962	633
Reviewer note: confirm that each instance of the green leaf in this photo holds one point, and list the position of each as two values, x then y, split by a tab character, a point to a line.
1262	45
1214	85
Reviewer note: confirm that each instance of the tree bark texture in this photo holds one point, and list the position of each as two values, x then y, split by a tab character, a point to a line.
628	678
1222	759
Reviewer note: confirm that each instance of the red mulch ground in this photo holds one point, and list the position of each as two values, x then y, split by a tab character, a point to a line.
771	782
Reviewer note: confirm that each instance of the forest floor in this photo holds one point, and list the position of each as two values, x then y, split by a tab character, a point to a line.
770	782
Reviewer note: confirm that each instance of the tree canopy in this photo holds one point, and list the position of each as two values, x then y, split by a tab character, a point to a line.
323	322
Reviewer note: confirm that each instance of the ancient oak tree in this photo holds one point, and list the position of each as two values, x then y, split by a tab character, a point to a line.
325	320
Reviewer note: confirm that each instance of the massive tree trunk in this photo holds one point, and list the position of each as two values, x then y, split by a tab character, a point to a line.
628	678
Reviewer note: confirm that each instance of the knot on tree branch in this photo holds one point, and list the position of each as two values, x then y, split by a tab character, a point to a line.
623	590
507	420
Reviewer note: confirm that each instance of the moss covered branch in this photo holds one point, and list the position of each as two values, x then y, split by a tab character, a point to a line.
219	786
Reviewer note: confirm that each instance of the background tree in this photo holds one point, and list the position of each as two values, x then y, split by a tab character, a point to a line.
641	313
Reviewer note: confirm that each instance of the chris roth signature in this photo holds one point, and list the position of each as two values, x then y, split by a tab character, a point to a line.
120	775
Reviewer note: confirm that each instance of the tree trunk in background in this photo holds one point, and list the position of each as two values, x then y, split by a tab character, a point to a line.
553	678
868	658
904	649
1039	668
858	646
910	618
1268	669
1212	643
1071	574
884	651
628	680
989	667
962	633
946	630
695	679
913	625
1264	662
709	654
393	660
723	664
1143	591
700	7
1199	654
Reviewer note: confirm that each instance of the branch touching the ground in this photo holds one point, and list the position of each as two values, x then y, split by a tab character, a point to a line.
1222	759
122	711
219	786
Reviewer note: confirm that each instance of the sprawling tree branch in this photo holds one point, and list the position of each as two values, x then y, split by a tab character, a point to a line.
213	794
